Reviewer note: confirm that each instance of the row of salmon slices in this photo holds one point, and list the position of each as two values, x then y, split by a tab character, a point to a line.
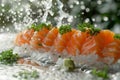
74	41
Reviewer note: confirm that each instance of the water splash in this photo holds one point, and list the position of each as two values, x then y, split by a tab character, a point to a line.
19	14
63	15
47	10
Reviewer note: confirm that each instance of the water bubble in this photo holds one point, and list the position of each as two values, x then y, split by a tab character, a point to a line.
36	20
71	6
2	5
28	13
82	13
19	3
105	18
1	30
21	9
82	7
93	19
3	10
87	10
1	14
95	25
7	29
3	21
75	16
14	19
77	2
87	20
3	27
81	2
32	0
99	2
21	14
70	19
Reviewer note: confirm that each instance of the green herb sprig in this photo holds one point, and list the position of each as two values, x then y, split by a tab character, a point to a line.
117	36
27	75
64	29
90	29
38	27
8	58
101	73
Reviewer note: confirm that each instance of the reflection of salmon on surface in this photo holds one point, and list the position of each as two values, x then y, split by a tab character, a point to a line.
25	61
24	37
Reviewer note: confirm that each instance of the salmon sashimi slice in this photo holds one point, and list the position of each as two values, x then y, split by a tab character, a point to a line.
38	38
96	43
90	46
75	44
62	40
51	36
104	38
24	37
112	50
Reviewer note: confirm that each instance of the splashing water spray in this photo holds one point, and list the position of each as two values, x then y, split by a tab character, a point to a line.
17	15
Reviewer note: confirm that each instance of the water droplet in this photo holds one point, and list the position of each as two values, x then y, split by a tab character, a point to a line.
82	13
82	2
19	3
32	0
95	25
1	14
71	6
77	2
82	7
87	20
7	29
3	21
75	16
87	10
2	5
70	19
3	10
21	9
105	18
93	19
1	30
99	2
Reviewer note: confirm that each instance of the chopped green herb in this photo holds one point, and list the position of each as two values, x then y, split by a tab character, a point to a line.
68	64
64	29
27	75
117	36
94	31
101	73
83	27
40	26
86	27
7	57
